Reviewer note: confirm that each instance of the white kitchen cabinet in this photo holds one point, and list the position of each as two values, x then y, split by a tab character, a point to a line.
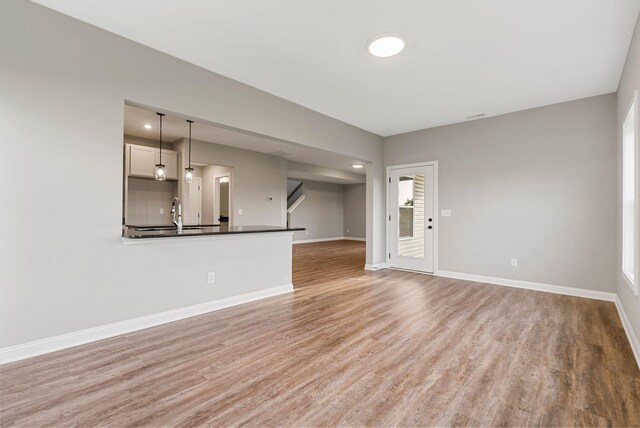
170	160
142	161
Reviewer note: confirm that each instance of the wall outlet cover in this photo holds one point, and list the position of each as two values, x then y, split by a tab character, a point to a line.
161	210
211	277
240	211
514	262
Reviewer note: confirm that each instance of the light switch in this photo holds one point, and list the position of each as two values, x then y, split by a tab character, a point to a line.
445	213
240	211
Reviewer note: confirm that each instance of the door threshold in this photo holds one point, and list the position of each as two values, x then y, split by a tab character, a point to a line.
413	271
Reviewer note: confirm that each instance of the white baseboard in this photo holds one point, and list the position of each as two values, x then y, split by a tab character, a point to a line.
548	288
375	266
335	238
56	343
631	335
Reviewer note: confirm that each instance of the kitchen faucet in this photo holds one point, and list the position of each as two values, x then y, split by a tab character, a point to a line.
178	223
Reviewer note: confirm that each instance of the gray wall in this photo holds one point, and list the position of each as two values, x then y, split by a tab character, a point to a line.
62	88
629	82
146	198
355	206
254	178
539	185
321	212
224	199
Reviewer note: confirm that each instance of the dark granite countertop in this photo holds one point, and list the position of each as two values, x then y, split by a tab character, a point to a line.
143	232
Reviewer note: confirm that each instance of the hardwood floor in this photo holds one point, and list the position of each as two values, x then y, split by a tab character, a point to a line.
348	347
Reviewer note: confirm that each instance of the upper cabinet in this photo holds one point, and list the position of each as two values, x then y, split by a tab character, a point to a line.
141	161
170	160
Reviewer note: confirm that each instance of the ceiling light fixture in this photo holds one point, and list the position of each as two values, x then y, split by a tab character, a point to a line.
188	172
357	166
386	45
160	172
147	126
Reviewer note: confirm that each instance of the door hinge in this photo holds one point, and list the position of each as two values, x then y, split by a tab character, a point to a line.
389	217
389	255
389	179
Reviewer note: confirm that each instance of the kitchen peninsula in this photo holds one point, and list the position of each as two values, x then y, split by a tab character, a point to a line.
144	232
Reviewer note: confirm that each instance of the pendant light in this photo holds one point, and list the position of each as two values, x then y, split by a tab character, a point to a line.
188	172
160	171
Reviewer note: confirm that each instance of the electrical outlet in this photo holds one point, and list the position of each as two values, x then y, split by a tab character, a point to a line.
347	230
211	277
161	211
445	213
240	211
514	262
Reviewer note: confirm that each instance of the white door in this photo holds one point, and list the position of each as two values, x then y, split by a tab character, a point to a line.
193	213
411	218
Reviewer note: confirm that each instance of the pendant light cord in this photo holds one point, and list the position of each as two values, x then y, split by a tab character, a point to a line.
160	114
190	122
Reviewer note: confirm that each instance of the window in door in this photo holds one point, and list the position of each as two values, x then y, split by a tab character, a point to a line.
405	207
629	200
411	227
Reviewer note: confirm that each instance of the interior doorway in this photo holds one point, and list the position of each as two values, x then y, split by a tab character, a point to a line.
222	199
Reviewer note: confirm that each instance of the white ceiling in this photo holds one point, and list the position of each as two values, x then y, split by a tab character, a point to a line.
174	127
463	57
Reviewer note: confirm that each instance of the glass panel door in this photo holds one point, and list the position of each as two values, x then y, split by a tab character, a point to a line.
411	218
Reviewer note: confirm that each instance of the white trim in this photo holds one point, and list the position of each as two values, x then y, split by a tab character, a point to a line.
631	335
547	288
56	343
335	238
436	209
296	203
634	107
375	266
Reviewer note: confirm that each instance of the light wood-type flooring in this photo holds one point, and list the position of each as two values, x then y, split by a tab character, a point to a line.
348	347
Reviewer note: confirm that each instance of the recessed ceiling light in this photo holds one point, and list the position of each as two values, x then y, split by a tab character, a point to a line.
386	45
147	126
357	166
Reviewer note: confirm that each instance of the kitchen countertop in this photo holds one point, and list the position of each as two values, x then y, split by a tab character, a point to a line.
144	232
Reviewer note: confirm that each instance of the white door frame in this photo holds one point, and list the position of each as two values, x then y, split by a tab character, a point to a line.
436	211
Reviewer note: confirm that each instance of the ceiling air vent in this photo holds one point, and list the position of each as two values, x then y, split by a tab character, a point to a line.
476	116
